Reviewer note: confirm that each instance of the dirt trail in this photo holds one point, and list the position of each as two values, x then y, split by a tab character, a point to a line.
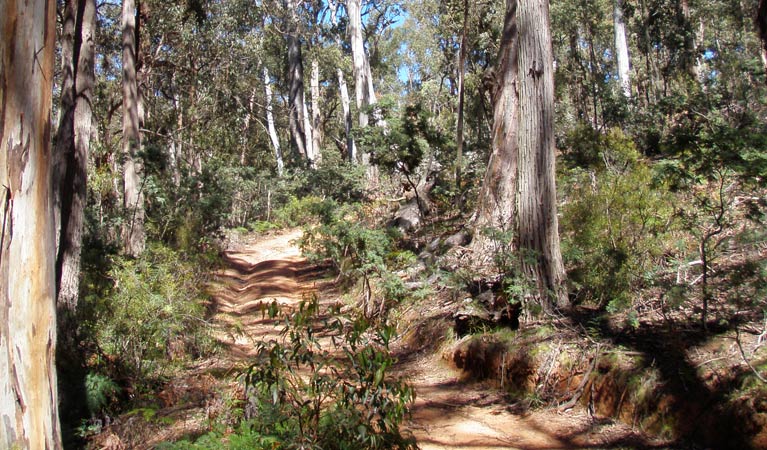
447	414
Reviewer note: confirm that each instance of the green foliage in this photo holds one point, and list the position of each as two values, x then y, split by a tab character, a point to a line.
358	251
332	178
151	311
100	391
615	221
307	392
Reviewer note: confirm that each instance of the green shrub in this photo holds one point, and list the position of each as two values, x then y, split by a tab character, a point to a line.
100	391
303	392
614	221
152	311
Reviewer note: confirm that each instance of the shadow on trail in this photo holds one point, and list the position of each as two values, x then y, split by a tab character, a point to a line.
701	413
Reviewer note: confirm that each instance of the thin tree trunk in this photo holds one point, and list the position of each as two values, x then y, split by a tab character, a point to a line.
461	78
246	127
177	143
621	48
496	206
270	124
28	395
133	197
348	123
298	133
344	93
309	131
316	115
761	22
538	225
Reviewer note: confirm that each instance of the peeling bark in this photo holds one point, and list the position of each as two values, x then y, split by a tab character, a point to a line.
28	397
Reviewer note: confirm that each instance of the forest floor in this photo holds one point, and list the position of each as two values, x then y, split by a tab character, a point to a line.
449	412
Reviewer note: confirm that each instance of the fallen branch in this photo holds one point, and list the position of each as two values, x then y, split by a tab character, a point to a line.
581	387
748	363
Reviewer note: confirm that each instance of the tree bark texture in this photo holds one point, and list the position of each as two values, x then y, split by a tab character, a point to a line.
72	190
65	131
538	225
270	124
297	122
348	123
316	112
497	200
28	398
621	48
133	197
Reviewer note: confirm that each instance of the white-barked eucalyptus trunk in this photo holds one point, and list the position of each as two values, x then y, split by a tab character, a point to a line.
28	397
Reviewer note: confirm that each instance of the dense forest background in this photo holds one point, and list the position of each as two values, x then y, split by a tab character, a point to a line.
415	141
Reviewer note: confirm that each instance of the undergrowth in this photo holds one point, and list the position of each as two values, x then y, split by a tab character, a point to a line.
305	392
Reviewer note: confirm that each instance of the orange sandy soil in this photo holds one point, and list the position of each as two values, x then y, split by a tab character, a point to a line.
448	413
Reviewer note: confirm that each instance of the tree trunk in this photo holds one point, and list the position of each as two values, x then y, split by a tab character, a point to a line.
270	124
348	124
309	130
621	48
538	225
359	61
761	22
496	206
246	127
316	116
461	77
28	397
65	138
343	90
133	196
298	133
73	190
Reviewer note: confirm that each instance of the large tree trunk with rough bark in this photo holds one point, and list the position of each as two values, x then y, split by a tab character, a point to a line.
74	156
133	196
621	48
537	215
496	206
70	189
28	398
